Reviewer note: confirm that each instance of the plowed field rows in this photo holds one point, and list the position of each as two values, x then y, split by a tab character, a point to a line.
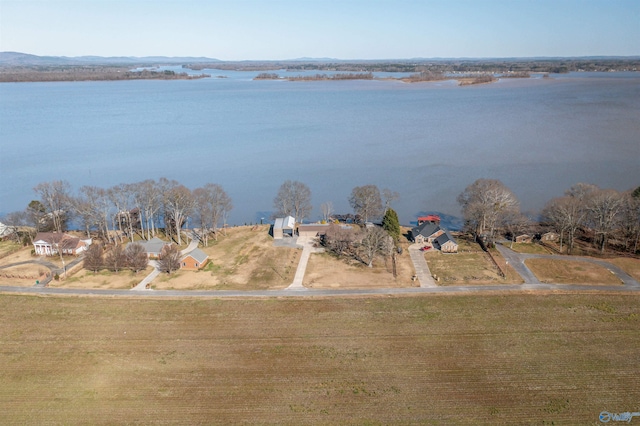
446	360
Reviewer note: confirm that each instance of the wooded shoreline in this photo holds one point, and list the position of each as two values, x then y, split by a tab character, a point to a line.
50	74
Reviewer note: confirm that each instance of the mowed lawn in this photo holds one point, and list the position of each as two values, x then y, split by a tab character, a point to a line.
387	360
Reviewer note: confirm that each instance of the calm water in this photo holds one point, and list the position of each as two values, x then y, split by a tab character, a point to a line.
425	141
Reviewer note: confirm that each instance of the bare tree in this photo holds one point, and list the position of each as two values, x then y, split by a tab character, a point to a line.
568	213
293	199
211	204
515	223
340	240
327	210
604	210
169	259
147	194
485	203
630	219
366	202
93	260
178	205
55	198
93	207
120	196
136	257
115	259
389	197
375	241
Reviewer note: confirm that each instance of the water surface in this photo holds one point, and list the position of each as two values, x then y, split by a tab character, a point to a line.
427	141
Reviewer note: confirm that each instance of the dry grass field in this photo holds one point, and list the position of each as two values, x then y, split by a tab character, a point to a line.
103	279
630	265
325	270
532	248
470	266
476	359
560	271
243	259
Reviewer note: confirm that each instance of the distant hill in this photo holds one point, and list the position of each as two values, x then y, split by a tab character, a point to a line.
25	59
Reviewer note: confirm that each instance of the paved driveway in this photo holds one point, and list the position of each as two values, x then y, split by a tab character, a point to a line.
420	265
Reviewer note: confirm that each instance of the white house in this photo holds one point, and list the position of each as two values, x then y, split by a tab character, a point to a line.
52	243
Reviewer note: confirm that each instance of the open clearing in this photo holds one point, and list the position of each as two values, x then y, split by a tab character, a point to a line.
562	271
243	259
470	266
326	270
477	359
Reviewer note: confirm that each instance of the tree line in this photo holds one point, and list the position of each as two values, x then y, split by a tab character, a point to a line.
141	208
584	211
368	203
88	73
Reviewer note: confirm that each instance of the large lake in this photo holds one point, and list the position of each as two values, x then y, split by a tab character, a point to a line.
426	141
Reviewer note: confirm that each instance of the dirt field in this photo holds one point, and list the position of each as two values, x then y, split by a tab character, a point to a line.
571	272
477	359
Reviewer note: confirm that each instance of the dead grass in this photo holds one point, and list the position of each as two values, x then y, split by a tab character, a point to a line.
22	275
530	248
545	359
103	279
325	270
9	247
630	265
244	259
470	266
560	271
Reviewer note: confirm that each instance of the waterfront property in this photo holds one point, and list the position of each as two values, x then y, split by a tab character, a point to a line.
52	243
430	234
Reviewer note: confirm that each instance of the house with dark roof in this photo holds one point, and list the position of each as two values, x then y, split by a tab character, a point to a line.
431	234
52	243
426	232
194	260
446	243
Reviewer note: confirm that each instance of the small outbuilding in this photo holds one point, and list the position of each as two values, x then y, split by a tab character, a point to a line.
550	236
284	227
194	260
524	238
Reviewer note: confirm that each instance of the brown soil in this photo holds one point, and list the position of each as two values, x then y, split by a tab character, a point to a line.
481	359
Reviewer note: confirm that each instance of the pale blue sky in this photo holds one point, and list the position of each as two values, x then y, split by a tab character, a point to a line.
344	29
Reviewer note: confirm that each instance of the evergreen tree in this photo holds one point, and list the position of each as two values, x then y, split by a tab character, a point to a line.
391	224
